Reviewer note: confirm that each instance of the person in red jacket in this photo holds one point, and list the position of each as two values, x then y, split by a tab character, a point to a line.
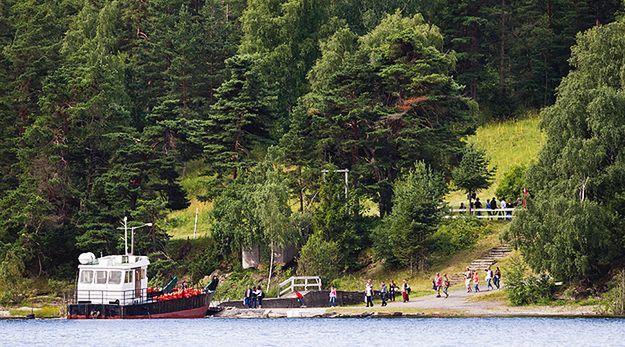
300	298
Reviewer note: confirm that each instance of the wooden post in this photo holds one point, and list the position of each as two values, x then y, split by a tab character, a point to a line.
197	210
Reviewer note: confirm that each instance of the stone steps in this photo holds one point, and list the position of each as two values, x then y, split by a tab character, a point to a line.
490	258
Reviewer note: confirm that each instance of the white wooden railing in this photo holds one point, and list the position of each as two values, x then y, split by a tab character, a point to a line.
482	213
299	283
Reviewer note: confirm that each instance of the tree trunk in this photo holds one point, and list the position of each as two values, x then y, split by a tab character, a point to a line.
385	203
270	268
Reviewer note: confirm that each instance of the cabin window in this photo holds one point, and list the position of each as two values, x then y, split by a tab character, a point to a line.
142	274
128	277
115	277
100	277
86	276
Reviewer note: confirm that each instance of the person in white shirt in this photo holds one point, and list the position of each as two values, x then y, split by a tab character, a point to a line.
369	293
488	278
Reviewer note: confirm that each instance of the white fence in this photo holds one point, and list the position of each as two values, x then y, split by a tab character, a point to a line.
300	283
483	213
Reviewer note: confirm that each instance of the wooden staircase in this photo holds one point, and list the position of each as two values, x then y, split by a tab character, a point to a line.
489	259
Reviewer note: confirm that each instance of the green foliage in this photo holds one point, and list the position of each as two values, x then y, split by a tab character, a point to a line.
613	302
382	101
511	186
320	257
241	118
473	172
404	236
526	290
572	227
456	234
336	218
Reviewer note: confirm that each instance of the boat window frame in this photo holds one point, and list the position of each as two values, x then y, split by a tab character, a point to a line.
128	276
143	273
97	276
82	276
119	279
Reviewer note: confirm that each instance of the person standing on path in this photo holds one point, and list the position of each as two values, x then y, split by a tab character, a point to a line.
445	285
392	290
467	280
405	291
497	277
254	297
438	283
383	293
333	296
476	281
488	278
259	295
369	293
247	297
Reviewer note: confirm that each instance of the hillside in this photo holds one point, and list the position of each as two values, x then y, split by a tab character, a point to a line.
509	143
506	143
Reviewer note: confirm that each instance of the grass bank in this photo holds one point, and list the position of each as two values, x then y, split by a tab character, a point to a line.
509	143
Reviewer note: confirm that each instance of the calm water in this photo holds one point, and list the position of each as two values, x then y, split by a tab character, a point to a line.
317	332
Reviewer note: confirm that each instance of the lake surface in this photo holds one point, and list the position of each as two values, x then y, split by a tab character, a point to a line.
317	332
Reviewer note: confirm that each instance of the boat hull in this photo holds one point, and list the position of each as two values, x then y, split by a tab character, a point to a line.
194	307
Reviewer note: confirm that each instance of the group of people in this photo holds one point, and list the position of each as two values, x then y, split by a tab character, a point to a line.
441	283
253	297
387	293
491	278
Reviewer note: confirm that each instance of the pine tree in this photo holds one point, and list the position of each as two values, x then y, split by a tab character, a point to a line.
241	119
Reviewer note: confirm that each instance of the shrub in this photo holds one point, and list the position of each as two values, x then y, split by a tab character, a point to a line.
525	290
614	300
512	184
320	258
456	234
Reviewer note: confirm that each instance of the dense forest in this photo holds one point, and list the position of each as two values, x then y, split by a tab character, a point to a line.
104	103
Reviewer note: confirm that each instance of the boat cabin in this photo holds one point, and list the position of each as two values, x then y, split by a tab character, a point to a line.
113	279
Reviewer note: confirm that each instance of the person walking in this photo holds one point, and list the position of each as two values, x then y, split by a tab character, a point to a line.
438	283
392	290
333	296
405	291
476	281
383	292
446	285
497	277
369	293
259	296
467	279
488	278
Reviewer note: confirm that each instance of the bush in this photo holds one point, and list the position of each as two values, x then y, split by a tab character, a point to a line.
456	234
614	300
525	290
512	184
320	258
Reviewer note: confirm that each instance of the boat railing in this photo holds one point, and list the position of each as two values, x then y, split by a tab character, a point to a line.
121	297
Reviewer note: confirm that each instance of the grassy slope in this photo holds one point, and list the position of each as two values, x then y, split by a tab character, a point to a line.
506	144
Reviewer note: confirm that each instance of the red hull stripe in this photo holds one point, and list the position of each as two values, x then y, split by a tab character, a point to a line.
199	312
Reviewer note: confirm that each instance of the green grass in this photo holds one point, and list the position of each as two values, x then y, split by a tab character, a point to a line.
506	144
180	223
497	295
43	312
